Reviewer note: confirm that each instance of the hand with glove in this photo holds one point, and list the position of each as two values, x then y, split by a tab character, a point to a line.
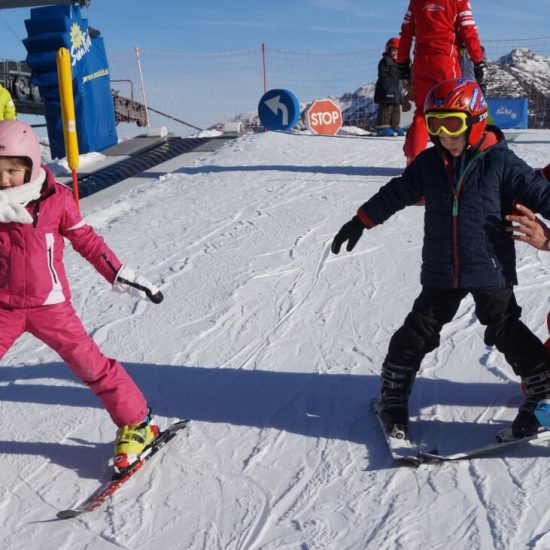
408	96
406	103
480	72
129	282
404	71
351	232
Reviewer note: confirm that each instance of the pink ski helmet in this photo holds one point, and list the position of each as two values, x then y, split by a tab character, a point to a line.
17	139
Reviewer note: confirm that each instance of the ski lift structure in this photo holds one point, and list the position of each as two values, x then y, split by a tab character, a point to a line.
16	76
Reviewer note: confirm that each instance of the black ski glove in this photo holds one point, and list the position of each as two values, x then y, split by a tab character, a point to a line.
404	71
351	232
480	72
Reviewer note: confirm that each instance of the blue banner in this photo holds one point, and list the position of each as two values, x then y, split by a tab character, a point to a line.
507	113
54	27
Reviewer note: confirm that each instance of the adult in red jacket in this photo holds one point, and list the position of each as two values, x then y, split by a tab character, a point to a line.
438	28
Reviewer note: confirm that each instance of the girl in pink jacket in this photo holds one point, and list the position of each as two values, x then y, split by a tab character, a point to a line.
36	214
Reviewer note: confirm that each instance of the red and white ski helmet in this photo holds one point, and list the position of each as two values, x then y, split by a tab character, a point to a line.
17	139
462	95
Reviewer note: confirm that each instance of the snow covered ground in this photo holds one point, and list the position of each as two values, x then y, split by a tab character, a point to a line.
272	347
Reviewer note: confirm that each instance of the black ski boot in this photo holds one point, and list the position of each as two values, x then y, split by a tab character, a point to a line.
393	407
538	388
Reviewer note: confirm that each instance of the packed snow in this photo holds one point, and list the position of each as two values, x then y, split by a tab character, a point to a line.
272	346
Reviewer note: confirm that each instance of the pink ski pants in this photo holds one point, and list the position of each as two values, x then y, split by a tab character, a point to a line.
59	327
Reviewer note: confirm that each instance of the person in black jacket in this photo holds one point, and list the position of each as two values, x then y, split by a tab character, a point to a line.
388	93
470	180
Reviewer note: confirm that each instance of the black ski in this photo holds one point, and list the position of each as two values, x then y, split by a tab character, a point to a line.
406	452
98	498
504	441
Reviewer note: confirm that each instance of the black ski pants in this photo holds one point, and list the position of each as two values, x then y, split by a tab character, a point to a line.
496	308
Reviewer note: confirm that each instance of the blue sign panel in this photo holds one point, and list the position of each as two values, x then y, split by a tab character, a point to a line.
49	29
509	112
279	110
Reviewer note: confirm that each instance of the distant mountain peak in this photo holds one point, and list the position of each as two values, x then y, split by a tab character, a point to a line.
523	58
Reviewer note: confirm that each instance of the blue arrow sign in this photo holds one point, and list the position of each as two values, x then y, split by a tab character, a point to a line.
279	110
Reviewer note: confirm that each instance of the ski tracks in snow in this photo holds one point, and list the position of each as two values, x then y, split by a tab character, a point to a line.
240	245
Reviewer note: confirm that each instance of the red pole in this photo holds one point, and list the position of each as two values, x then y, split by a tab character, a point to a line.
75	189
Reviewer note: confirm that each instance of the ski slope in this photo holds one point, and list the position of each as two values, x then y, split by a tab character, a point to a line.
272	347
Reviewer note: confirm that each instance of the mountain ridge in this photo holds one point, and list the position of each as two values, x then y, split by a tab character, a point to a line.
520	73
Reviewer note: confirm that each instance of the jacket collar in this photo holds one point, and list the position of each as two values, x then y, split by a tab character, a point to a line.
491	137
49	185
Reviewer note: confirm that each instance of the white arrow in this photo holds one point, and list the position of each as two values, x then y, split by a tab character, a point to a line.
275	105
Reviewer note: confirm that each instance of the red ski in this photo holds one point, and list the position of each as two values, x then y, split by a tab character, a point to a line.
98	498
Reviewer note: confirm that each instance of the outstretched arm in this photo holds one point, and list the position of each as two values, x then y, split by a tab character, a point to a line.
93	248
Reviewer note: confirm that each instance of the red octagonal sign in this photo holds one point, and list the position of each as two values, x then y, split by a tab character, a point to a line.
324	117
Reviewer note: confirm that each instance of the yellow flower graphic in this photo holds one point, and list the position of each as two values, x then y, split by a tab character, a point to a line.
76	36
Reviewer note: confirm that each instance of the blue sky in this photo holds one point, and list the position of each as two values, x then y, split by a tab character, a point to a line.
297	25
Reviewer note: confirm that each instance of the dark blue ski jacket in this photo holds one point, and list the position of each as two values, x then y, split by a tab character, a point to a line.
388	89
467	199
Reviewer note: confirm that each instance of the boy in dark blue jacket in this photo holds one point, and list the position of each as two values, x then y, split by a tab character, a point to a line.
470	180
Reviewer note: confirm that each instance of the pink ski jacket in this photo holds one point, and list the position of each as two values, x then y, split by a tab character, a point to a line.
31	255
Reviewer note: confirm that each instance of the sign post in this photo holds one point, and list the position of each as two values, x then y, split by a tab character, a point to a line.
67	115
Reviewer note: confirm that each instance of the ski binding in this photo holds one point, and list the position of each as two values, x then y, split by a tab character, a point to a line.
402	450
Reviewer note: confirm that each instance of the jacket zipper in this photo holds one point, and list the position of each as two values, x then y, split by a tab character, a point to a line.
50	265
456	192
456	263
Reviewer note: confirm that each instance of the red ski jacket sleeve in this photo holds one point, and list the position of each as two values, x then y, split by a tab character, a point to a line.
406	36
467	31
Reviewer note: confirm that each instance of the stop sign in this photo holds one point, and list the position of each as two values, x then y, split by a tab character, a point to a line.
324	117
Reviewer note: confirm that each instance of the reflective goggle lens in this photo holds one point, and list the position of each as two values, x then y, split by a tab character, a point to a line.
452	124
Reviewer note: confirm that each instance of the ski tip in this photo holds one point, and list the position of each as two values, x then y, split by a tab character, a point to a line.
68	514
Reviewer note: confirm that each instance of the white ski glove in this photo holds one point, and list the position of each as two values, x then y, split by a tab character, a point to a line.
127	281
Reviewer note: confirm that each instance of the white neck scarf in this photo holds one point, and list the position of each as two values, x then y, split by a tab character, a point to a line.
14	199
